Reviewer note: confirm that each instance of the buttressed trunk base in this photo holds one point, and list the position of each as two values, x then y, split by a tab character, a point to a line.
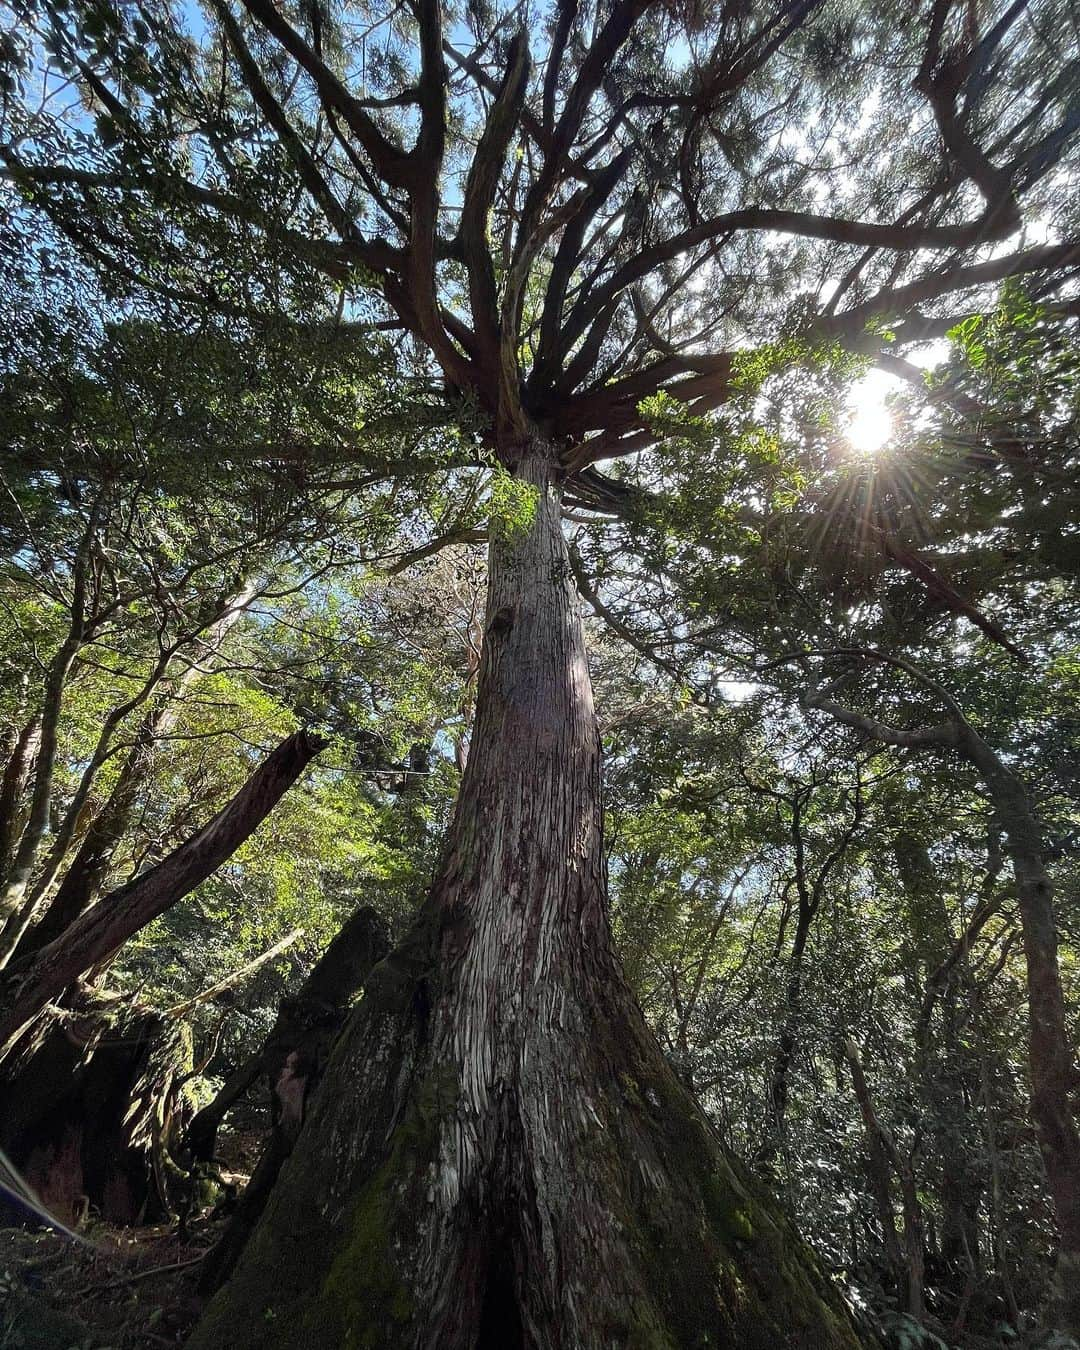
499	1155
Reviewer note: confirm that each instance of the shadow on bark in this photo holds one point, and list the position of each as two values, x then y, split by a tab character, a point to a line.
291	1061
608	1217
93	1104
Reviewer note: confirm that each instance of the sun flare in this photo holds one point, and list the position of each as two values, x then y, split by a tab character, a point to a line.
869	423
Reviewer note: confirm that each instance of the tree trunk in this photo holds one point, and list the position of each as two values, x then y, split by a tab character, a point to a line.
775	1127
810	895
84	877
1051	1055
292	1059
308	1021
90	1104
499	1155
883	1154
942	1065
17	876
103	929
998	1222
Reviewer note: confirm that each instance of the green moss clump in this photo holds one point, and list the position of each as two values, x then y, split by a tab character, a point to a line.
722	1265
368	1293
365	1292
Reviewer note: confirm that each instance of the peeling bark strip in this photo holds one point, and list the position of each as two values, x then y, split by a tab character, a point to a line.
499	1155
89	1105
116	917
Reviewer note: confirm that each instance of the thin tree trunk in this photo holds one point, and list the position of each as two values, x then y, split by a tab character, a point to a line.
883	1154
83	878
499	1156
104	928
25	857
997	1196
1051	1055
810	898
776	1107
943	1067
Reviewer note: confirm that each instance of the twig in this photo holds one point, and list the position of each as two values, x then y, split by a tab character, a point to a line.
139	1275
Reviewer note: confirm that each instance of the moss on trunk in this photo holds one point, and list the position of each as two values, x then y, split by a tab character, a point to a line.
499	1155
357	1234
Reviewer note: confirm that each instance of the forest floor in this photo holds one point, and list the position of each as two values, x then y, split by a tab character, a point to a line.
135	1289
118	1289
112	1288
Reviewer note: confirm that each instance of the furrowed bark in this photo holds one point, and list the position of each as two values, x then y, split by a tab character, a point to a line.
20	766
103	929
499	1154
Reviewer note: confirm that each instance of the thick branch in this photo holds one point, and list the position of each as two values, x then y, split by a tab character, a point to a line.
480	188
943	736
903	238
103	929
391	163
274	113
892	300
